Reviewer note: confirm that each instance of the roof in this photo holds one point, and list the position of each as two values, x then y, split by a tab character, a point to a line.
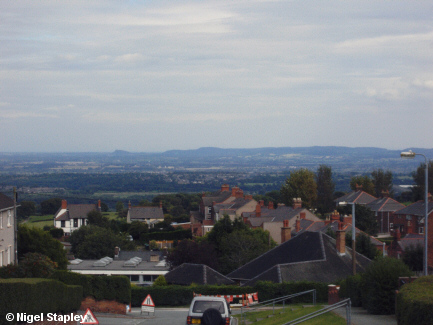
189	273
413	240
146	213
358	197
416	209
75	211
5	202
311	256
385	204
234	205
218	197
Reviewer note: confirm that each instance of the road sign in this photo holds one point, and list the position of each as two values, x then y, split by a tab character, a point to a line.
148	305
89	318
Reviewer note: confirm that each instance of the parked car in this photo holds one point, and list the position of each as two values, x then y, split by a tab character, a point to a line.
210	311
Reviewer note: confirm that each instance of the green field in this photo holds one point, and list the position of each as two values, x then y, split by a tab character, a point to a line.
291	313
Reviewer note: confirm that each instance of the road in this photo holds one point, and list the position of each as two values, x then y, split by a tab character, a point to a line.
162	316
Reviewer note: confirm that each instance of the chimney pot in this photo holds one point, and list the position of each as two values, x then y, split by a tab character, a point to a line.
258	210
298	225
341	240
297	203
303	215
262	203
271	205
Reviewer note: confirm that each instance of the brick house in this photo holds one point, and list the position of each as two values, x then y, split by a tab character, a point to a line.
7	230
70	217
384	209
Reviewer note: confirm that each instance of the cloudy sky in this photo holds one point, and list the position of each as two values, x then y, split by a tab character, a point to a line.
159	75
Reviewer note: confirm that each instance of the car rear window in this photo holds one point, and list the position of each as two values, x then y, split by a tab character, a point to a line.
201	306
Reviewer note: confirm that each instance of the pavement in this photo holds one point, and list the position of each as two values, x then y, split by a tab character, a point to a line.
359	316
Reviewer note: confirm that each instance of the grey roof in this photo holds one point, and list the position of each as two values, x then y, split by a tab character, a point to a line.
189	273
359	197
146	213
117	265
235	204
416	209
75	211
5	202
413	240
385	204
217	197
310	257
144	255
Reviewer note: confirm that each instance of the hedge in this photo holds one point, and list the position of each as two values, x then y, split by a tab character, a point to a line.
100	287
35	296
174	295
351	288
415	302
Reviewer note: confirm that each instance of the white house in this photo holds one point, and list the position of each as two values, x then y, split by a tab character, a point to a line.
7	229
73	216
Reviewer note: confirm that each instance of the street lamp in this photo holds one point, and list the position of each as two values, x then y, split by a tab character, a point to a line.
411	155
353	236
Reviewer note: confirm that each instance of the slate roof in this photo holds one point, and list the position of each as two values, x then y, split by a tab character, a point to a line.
359	197
279	214
311	256
411	240
217	197
385	204
234	205
201	274
416	209
5	202
75	211
145	213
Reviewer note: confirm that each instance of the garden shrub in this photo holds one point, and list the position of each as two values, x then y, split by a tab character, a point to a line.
351	288
379	283
415	302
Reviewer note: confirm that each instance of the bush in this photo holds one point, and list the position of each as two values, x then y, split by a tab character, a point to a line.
33	265
379	283
415	302
116	288
35	296
351	288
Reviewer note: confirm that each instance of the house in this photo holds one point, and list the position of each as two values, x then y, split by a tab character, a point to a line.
70	217
384	209
141	267
7	230
215	205
310	256
358	197
150	215
272	219
398	246
410	219
189	273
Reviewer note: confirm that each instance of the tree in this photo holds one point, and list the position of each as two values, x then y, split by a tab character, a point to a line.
96	218
119	207
364	181
104	207
50	206
137	229
325	190
382	182
160	281
34	240
363	245
365	219
242	246
26	209
190	251
414	257
300	184
94	242
418	191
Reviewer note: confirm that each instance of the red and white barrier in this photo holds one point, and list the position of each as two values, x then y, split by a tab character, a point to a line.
246	299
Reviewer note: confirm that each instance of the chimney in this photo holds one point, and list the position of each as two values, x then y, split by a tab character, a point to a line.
258	210
347	220
358	187
341	240
239	194
271	205
129	205
225	188
280	205
234	190
303	215
160	205
286	231
335	216
116	251
385	193
298	225
397	234
64	204
99	205
248	197
297	203
203	194
262	203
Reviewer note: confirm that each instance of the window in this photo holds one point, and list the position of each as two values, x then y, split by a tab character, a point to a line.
134	278
75	223
1	258
8	254
408	217
9	218
391	226
421	230
1	220
62	223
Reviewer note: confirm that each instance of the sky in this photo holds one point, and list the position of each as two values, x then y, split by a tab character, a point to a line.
150	76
